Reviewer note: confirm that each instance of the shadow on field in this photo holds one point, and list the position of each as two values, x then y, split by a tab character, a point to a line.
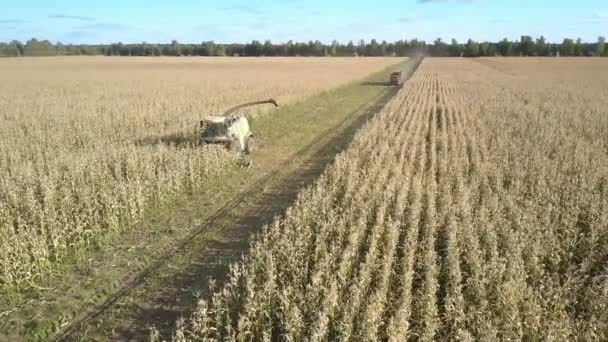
174	139
377	84
209	258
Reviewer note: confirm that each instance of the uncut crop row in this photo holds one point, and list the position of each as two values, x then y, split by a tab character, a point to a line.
473	207
89	145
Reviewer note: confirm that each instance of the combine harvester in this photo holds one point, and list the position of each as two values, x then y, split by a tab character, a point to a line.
230	130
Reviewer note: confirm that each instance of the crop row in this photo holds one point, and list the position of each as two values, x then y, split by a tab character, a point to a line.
444	219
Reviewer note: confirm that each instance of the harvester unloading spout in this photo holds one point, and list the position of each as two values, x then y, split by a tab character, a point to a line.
249	104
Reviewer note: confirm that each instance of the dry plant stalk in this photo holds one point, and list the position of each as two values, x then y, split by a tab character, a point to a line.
87	145
473	207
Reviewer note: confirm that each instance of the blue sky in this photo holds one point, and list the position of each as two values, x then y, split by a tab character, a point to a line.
75	21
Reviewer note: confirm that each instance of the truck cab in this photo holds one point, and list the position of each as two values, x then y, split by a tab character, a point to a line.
395	78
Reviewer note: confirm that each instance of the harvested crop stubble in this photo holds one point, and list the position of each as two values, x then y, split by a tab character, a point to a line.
473	207
87	145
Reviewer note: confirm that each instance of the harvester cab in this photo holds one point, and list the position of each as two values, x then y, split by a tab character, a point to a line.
231	130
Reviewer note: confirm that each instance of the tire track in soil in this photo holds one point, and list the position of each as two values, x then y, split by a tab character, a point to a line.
257	205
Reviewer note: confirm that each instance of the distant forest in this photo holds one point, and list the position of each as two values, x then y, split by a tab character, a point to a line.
526	46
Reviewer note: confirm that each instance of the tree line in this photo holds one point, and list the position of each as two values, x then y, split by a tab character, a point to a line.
526	46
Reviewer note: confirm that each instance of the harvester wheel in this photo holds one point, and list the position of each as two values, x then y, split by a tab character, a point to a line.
249	145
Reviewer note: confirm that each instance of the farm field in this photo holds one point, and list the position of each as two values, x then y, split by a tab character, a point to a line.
474	206
89	145
146	263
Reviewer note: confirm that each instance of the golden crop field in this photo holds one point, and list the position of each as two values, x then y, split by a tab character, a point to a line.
473	207
88	144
